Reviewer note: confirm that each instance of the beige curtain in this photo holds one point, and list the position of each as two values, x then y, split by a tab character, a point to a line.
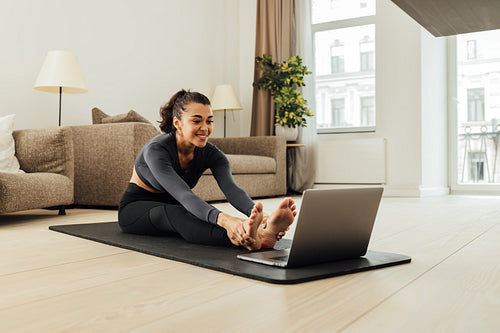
275	37
302	161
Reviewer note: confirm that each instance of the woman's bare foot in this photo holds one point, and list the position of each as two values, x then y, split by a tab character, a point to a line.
277	223
251	226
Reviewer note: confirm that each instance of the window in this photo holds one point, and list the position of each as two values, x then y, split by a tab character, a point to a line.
338	116
367	50
475	104
337	56
476	169
344	64
368	111
476	113
335	10
471	50
337	64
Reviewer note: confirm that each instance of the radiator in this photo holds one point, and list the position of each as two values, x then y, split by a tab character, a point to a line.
357	161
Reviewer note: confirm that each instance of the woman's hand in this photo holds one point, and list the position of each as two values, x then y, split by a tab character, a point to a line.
235	230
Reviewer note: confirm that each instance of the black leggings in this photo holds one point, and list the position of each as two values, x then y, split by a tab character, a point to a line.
148	217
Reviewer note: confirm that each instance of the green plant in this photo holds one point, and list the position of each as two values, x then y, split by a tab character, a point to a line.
282	81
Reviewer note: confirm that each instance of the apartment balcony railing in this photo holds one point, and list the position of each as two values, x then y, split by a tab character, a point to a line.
478	152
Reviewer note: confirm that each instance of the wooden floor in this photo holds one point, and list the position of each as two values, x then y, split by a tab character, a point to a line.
52	282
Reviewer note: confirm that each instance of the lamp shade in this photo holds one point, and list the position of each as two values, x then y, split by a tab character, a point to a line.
225	98
61	69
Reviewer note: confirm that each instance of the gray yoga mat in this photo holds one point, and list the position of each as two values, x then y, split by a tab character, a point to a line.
224	259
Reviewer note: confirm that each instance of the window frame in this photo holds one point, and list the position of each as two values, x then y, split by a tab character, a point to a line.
453	172
333	25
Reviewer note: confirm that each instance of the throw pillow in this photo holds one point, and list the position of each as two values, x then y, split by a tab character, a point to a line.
8	160
99	117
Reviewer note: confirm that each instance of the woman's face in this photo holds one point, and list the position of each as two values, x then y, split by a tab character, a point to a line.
196	124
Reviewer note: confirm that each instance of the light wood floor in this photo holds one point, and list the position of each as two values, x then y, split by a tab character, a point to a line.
51	282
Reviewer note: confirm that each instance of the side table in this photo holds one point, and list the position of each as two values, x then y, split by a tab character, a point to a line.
290	154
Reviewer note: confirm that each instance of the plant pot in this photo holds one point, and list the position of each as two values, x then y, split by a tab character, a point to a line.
290	133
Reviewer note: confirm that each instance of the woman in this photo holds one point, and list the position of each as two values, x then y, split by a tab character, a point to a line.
159	199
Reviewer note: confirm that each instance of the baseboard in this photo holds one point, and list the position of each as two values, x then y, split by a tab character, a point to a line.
412	191
404	191
426	191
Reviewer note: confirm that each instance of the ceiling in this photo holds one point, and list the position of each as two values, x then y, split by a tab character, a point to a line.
453	17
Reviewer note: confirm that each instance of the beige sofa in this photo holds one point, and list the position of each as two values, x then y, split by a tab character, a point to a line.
91	166
46	155
105	155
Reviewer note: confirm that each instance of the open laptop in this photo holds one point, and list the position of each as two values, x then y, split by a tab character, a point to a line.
332	225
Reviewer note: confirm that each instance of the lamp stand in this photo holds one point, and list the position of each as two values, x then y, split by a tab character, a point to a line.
224	122
60	99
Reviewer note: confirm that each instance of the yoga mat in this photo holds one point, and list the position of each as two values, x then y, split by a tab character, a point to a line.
224	259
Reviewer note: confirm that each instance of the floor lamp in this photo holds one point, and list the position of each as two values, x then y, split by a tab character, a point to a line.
225	98
60	73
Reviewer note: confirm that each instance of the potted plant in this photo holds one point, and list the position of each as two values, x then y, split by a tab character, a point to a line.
282	81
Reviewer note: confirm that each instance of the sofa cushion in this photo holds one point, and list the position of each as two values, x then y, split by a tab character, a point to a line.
249	164
23	191
99	117
46	150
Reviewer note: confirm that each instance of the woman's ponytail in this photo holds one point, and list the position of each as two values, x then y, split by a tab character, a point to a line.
176	107
167	113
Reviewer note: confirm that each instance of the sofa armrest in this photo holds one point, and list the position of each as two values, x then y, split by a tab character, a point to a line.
45	150
104	159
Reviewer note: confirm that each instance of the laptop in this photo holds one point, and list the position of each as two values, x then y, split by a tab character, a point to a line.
332	225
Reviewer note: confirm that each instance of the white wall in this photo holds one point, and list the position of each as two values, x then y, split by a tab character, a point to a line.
133	54
434	116
398	96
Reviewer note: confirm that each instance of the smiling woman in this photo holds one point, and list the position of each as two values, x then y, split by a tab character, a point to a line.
159	199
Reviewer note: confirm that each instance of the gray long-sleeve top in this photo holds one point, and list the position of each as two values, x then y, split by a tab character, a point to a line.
158	166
